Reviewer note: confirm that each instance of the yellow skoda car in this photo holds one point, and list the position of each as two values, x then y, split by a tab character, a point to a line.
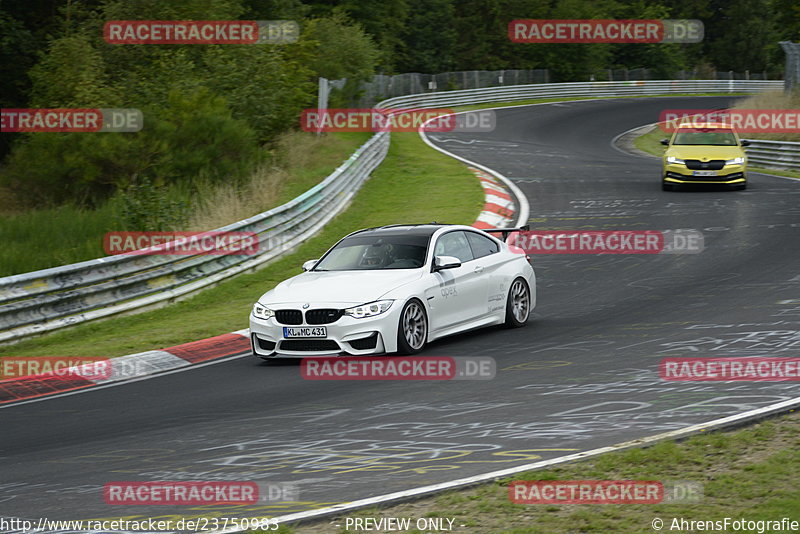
708	153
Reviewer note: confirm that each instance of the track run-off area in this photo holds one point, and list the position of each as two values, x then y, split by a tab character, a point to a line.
582	374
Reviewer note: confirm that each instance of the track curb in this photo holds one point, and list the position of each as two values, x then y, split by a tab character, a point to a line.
126	368
498	211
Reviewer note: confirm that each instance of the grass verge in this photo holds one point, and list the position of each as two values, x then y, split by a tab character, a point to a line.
36	239
773	100
752	473
43	238
414	184
650	142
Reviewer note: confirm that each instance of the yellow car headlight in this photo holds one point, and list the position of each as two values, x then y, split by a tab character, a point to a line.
675	161
735	161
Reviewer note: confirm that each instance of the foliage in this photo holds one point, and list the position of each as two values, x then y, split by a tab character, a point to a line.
209	109
146	207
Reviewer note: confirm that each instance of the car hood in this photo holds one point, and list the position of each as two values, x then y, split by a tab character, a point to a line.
704	152
346	287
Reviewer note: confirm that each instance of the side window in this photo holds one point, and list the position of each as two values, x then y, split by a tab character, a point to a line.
481	245
454	244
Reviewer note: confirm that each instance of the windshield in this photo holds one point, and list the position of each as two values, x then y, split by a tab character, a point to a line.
705	136
373	252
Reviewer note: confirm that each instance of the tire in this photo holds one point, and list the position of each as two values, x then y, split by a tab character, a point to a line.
740	187
412	329
518	304
666	187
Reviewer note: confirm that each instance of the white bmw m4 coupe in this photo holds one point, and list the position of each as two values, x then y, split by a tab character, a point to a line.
394	289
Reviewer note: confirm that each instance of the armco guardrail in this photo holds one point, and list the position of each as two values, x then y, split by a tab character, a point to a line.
54	298
774	154
577	89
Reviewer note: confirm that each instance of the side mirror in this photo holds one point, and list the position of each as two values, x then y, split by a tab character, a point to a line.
307	266
441	263
665	142
745	142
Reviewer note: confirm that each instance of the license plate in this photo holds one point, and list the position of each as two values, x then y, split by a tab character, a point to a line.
704	173
305	331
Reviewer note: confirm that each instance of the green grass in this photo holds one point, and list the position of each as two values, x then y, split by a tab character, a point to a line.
650	143
752	473
49	237
42	238
414	184
329	155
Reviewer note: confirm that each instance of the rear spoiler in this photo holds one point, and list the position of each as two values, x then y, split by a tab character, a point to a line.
508	231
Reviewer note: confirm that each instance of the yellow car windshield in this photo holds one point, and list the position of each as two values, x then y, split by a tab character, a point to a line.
705	136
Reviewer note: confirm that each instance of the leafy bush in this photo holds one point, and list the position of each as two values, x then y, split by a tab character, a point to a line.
193	137
148	208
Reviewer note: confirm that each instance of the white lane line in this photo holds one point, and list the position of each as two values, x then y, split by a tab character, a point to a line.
493	475
524	207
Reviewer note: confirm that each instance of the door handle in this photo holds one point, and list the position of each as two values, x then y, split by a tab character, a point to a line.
478	269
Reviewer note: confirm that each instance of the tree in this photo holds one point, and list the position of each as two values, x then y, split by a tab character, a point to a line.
429	38
71	74
383	20
738	35
338	48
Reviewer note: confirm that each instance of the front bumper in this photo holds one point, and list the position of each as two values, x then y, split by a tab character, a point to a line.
345	336
728	175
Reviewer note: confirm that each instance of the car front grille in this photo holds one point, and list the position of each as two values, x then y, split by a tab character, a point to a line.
289	316
323	316
310	345
697	165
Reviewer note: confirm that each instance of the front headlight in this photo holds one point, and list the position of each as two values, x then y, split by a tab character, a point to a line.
262	312
370	309
735	161
675	161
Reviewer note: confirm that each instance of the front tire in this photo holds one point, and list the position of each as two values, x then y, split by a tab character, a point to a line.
518	304
412	331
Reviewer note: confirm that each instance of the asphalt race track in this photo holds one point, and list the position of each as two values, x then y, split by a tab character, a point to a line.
582	374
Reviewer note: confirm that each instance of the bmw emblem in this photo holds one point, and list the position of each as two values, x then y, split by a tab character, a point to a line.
306	305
